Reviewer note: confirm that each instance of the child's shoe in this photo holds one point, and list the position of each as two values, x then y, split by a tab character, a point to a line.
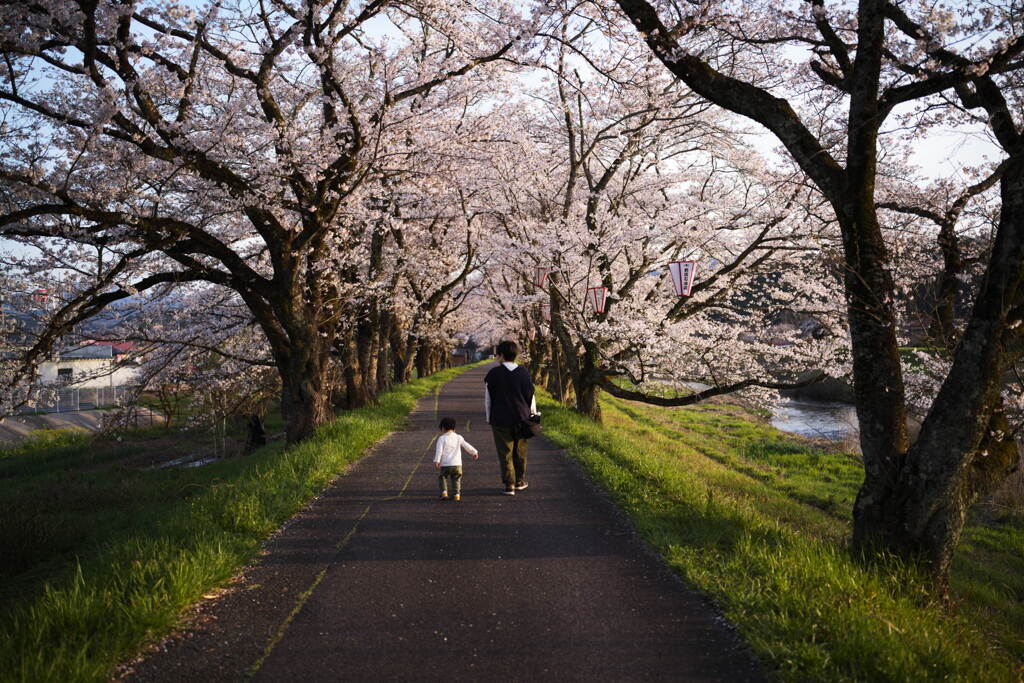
444	495
457	498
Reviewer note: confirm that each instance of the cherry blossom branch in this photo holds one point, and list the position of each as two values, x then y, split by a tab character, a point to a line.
738	96
690	399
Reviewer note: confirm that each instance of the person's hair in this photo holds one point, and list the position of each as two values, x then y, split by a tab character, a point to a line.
508	350
447	424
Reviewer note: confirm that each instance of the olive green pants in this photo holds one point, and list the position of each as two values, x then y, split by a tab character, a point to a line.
511	455
452	473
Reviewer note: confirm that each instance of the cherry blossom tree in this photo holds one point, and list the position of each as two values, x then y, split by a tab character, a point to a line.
619	171
419	253
241	145
200	352
858	64
943	231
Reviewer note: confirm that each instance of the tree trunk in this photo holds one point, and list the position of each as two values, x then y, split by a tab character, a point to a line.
341	369
385	371
423	366
409	363
558	379
305	392
347	391
556	384
588	387
877	377
302	353
941	330
570	364
366	352
942	490
877	372
256	433
539	360
587	401
965	448
351	375
384	353
399	346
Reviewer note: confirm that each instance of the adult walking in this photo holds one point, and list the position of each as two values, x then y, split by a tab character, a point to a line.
508	402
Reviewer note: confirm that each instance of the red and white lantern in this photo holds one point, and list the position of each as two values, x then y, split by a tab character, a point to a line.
682	276
540	276
597	296
40	296
545	311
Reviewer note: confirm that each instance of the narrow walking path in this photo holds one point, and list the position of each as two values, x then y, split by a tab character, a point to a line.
379	580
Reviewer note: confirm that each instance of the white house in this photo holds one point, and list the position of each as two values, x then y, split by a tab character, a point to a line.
94	365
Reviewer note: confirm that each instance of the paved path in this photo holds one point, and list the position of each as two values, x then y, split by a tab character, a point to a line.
378	580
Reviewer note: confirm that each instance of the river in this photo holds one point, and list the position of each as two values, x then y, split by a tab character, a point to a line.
817	419
830	420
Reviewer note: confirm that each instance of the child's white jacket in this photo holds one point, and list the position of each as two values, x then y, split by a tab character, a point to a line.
449	449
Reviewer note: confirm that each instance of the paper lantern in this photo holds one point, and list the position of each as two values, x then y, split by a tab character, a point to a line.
545	311
597	296
40	296
540	276
682	276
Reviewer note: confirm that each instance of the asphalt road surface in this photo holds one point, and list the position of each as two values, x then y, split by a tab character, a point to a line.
378	580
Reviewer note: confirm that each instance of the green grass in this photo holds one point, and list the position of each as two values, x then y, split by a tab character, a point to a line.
105	558
759	522
988	581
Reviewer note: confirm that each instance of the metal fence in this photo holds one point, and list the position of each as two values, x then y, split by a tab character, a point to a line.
71	399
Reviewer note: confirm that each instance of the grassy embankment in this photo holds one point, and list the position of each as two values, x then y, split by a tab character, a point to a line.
759	521
98	558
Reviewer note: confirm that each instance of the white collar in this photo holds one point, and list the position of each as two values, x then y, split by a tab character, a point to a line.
510	365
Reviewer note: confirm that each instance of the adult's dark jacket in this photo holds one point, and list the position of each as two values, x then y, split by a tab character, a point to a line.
511	394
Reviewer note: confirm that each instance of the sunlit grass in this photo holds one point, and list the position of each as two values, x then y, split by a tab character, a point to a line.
98	561
759	522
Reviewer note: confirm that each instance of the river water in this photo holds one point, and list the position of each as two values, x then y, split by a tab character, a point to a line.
830	420
816	419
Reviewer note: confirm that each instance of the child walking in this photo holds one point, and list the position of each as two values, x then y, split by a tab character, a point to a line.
448	458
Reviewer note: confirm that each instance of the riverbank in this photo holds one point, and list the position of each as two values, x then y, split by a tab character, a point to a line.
97	560
759	521
16	429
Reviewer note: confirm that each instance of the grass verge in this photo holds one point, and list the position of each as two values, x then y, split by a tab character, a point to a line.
114	555
759	522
